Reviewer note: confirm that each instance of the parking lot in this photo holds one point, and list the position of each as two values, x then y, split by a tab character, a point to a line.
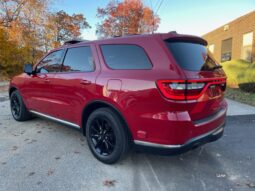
43	155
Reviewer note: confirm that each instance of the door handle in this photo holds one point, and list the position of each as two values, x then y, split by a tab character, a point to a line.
85	82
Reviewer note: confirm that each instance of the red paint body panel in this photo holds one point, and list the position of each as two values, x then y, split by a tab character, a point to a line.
149	115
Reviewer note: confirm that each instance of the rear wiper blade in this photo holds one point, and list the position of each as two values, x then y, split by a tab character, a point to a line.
216	67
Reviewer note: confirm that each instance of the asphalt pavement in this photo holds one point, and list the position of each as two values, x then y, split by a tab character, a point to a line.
43	155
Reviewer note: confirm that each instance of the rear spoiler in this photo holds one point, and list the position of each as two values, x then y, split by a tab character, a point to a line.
175	37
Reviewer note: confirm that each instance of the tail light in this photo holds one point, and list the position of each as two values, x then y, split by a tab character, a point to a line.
188	89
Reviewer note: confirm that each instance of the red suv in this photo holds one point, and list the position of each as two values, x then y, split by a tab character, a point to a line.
158	92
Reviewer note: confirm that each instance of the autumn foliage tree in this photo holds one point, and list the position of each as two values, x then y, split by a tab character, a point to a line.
28	29
126	17
10	11
19	30
12	56
65	27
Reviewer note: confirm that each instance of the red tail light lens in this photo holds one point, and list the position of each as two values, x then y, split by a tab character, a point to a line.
186	89
174	89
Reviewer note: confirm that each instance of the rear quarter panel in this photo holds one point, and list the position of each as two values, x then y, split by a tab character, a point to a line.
138	97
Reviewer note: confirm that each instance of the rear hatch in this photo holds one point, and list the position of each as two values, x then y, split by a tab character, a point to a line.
205	83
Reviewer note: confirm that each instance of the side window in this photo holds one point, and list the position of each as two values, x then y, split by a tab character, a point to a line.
78	59
51	63
124	56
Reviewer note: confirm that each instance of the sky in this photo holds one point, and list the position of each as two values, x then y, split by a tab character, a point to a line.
195	17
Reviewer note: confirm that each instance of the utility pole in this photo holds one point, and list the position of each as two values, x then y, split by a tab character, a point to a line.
153	14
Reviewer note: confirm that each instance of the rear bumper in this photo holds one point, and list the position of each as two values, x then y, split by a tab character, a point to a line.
178	149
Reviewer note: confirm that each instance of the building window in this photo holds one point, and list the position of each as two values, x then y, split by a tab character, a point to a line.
226	50
247	47
211	48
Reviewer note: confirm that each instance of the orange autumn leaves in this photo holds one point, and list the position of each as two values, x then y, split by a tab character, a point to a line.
127	17
28	28
65	27
31	21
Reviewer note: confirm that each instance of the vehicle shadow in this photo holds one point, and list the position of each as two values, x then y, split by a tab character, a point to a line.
199	169
210	167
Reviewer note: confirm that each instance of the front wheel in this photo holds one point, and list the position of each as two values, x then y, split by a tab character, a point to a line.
107	136
18	108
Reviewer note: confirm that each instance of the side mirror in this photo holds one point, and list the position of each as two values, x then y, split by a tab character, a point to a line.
28	69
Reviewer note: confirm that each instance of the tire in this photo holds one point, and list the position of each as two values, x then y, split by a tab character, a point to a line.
18	108
107	136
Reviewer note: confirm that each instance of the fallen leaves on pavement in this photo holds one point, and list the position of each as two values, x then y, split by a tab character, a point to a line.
110	183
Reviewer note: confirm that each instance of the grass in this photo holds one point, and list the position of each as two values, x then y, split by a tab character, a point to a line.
240	96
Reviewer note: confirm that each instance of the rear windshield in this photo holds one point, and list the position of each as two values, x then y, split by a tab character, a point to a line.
192	56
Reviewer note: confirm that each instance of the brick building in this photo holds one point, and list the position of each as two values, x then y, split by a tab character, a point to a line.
235	40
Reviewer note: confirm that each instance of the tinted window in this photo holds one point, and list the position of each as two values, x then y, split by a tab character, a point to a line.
226	50
78	59
125	57
191	56
51	63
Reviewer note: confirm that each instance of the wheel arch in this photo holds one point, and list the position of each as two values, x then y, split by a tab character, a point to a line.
12	89
96	104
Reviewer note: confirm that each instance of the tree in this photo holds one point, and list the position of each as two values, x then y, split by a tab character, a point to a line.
23	21
65	27
10	11
28	28
30	21
127	17
12	56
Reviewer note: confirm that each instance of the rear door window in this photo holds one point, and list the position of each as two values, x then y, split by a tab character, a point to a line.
78	59
125	57
191	56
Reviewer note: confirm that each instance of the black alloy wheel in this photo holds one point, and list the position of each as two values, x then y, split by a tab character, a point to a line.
107	135
15	106
18	108
102	136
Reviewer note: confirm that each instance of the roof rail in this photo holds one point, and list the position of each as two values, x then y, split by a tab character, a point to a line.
74	41
125	35
116	36
173	32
